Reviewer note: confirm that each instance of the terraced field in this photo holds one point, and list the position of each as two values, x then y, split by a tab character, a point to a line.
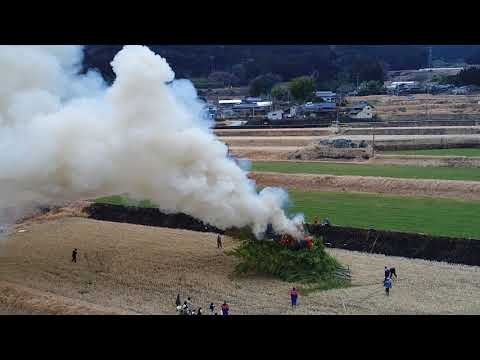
403	172
441	217
469	152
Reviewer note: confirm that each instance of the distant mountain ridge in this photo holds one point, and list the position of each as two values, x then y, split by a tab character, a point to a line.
326	61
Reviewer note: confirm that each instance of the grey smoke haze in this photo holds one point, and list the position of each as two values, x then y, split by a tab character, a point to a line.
65	136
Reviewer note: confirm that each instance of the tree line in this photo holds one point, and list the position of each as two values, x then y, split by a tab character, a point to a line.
261	67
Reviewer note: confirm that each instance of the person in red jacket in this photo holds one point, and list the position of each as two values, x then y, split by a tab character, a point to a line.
309	243
294	297
225	309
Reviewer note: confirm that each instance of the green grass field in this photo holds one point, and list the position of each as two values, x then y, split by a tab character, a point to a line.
439	217
469	152
125	201
393	171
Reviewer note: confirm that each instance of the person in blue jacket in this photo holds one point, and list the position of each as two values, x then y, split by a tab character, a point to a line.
388	285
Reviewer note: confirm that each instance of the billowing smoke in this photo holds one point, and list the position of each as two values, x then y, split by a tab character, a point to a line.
65	136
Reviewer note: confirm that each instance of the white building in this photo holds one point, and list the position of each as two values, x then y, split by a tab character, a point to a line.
402	84
228	103
361	111
327	96
275	115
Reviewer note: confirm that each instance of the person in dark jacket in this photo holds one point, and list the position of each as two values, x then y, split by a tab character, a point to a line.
387	272
178	302
225	309
199	311
393	272
294	297
219	242
74	255
212	308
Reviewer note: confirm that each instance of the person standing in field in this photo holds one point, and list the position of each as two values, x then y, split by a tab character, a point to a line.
388	285
393	272
294	297
225	309
219	242
74	255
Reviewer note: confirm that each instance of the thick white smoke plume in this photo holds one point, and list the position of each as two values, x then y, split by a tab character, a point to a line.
65	136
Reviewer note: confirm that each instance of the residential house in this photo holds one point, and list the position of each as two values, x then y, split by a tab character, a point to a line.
326	96
275	115
228	104
361	111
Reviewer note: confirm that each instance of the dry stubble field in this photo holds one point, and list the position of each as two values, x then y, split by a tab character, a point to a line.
137	269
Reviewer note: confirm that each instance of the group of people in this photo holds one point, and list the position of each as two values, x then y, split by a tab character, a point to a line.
387	282
187	308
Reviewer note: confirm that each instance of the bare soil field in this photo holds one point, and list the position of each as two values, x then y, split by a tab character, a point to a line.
382	142
350	130
282	153
263	152
417	130
423	160
275	132
387	105
139	269
466	190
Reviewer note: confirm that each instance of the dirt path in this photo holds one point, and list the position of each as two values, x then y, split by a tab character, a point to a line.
466	190
141	269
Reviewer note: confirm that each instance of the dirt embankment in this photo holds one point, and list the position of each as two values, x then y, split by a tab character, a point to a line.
467	190
410	245
147	216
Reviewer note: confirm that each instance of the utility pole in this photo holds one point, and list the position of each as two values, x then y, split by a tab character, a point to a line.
373	143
